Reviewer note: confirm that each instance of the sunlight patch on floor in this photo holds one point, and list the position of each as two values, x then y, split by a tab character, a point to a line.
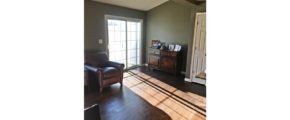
177	104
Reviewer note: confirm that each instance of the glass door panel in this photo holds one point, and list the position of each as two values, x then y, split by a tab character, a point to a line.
133	43
117	40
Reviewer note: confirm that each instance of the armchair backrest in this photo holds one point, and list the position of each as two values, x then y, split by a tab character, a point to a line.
97	59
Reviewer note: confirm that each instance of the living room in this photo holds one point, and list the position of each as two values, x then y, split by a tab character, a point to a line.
151	59
156	86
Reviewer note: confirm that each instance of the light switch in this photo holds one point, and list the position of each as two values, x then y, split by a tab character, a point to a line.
100	41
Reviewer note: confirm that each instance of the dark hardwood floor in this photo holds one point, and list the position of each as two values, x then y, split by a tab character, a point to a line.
176	81
127	103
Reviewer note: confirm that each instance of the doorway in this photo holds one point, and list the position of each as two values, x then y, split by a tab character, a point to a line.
124	40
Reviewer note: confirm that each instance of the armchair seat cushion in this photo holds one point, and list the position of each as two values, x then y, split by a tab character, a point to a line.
110	72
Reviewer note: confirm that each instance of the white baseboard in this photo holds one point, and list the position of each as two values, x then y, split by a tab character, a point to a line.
200	81
196	80
187	80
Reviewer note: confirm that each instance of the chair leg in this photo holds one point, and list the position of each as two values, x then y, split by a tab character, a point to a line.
121	83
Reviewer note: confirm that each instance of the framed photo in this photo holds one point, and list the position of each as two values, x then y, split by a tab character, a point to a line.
171	47
177	48
155	43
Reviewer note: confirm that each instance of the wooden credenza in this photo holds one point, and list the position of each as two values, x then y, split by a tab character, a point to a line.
167	61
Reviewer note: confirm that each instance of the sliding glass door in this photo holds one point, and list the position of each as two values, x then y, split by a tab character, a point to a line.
124	40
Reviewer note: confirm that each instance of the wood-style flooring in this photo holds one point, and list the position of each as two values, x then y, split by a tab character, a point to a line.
150	95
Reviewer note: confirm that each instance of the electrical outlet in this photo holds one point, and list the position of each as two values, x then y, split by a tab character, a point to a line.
100	41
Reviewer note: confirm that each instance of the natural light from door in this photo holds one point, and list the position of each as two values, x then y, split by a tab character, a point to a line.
124	44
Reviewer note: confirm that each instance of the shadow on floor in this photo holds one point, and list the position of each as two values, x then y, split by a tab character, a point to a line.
176	81
121	103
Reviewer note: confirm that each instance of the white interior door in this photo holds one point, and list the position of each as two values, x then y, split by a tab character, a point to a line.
124	40
199	46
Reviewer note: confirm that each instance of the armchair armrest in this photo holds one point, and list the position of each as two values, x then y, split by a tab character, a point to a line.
119	66
97	71
94	69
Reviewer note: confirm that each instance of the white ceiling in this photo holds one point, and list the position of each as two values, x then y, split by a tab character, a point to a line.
143	5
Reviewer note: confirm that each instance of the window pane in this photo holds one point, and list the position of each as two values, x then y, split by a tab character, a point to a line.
132	53
128	35
123	26
110	25
123	36
117	26
134	35
132	45
117	46
111	36
117	36
132	62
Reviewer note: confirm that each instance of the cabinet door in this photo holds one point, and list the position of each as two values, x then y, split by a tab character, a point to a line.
167	63
154	61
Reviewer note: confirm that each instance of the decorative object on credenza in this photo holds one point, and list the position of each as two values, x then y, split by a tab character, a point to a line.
155	43
159	45
163	47
177	48
171	47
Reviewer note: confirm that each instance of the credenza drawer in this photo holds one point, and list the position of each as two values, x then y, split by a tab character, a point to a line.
156	52
168	53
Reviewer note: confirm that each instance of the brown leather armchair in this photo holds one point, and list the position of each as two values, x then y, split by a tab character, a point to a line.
107	72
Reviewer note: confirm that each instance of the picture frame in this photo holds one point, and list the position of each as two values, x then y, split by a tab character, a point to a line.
171	47
177	48
155	43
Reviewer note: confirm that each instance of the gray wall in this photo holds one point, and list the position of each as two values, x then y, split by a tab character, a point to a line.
172	22
95	23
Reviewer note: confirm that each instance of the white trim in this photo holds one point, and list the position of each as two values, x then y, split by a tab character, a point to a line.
195	80
200	81
122	18
187	79
200	13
